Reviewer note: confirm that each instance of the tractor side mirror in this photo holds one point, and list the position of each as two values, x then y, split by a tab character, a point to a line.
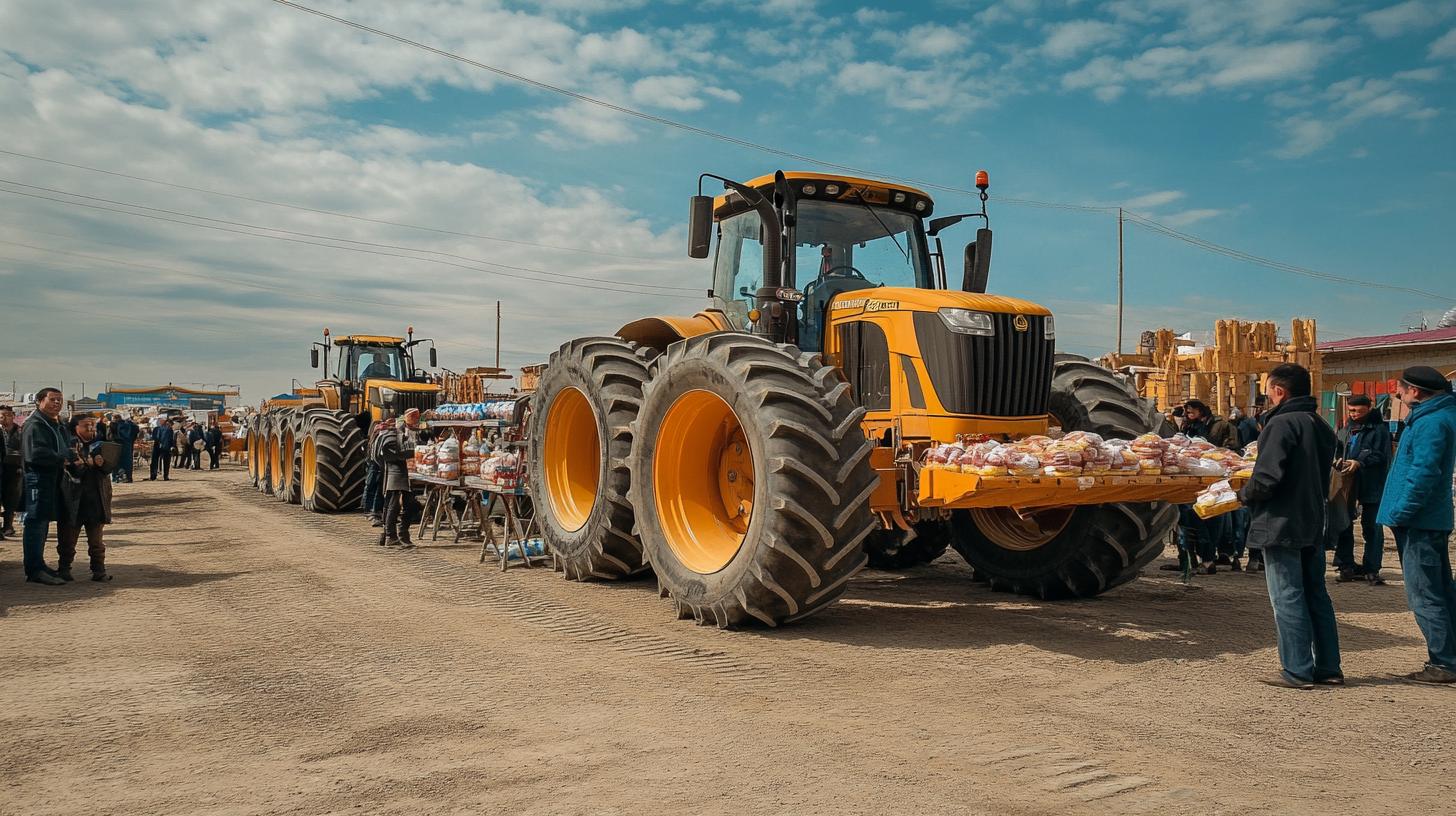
313	357
978	262
700	225
433	362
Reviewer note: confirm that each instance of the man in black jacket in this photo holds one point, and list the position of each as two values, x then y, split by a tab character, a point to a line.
164	439
391	450
213	439
1286	496
1363	450
46	448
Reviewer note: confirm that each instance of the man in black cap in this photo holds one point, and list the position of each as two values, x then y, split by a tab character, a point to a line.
1286	498
1364	450
1417	508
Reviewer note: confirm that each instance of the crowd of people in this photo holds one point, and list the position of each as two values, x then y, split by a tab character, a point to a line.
180	444
1293	521
62	472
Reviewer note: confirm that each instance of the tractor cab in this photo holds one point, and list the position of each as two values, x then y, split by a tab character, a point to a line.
373	373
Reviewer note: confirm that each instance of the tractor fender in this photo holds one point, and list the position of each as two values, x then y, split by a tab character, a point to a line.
662	331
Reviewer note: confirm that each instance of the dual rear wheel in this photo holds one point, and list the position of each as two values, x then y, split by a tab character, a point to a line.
733	466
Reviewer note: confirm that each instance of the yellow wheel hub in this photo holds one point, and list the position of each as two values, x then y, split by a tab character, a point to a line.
1021	533
280	453
702	478
308	468
573	455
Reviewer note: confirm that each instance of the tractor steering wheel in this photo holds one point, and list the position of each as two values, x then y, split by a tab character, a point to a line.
853	273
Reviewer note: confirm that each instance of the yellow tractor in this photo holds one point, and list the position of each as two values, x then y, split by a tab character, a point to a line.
757	454
311	450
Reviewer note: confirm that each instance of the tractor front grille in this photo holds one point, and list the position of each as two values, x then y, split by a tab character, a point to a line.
1005	375
423	400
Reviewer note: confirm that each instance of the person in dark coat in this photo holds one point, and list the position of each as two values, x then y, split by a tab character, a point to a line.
1286	496
12	467
164	440
196	443
124	432
373	499
212	438
392	448
46	449
1215	536
87	503
1363	451
1417	507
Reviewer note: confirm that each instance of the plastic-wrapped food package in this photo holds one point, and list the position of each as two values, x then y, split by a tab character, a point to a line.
986	459
429	455
448	451
1198	466
1091	439
1217	499
1251	450
1021	462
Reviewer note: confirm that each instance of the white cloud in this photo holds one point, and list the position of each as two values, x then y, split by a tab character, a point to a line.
224	280
870	17
1403	18
1151	201
584	123
1444	47
922	91
1187	217
1067	40
677	93
1420	75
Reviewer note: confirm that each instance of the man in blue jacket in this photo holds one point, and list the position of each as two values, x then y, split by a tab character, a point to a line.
1286	497
1417	508
164	439
1364	451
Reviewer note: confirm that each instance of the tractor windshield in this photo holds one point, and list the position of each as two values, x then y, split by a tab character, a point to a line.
838	247
373	363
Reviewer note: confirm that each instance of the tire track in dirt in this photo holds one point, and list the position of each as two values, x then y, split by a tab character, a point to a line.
1078	778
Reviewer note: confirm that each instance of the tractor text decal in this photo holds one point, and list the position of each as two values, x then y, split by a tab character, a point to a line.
869	305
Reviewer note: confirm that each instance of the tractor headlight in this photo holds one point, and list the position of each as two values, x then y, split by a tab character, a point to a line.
388	397
965	321
1048	328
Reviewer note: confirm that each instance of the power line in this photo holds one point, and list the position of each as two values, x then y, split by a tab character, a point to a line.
342	240
1230	252
768	149
531	279
332	213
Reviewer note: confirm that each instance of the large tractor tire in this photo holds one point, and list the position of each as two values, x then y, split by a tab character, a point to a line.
252	451
284	456
580	437
267	443
899	549
1072	552
751	479
331	461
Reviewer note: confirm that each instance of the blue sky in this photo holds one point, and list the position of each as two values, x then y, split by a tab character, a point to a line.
1315	133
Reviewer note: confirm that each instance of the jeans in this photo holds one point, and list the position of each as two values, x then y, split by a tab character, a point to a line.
372	501
1374	541
32	544
1239	522
1304	618
1198	537
1425	561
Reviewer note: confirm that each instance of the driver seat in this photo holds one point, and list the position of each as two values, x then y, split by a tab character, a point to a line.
818	300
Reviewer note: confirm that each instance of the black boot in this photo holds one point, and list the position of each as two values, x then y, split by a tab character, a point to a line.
63	572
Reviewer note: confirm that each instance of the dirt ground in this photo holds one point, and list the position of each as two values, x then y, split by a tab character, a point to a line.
252	658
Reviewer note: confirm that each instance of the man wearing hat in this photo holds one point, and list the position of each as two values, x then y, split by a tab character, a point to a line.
1417	508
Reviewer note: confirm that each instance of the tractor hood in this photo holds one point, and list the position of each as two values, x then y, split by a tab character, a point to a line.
900	298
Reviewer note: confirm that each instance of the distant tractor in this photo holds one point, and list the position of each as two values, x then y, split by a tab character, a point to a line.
310	450
757	454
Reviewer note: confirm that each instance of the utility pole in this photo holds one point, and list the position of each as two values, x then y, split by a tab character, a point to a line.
497	334
1119	280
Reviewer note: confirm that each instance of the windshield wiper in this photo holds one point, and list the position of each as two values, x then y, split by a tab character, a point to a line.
860	195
